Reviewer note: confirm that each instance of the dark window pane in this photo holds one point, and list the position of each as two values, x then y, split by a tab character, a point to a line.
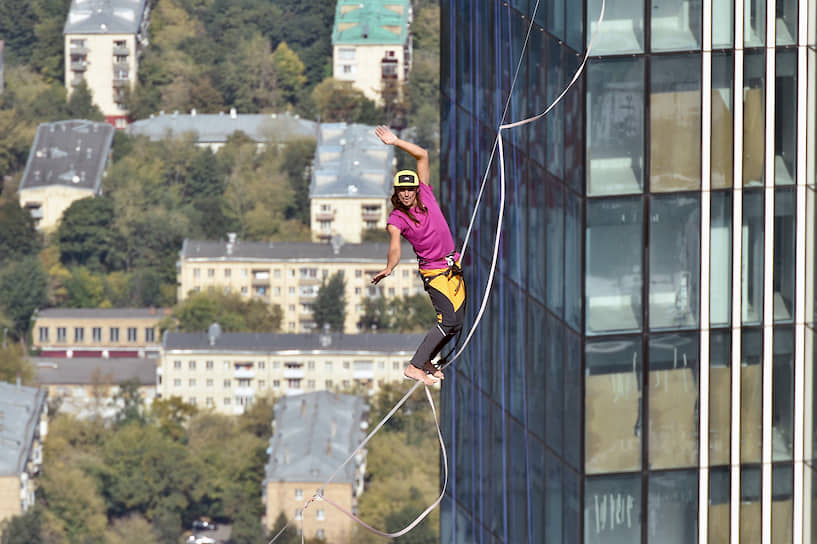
672	502
785	239
622	30
783	394
785	117
754	81
612	510
752	258
750	485
782	506
720	259
751	396
720	400
723	111
719	499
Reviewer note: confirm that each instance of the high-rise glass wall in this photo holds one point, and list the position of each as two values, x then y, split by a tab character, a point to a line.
643	372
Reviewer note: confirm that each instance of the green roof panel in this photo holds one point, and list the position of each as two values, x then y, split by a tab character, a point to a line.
361	22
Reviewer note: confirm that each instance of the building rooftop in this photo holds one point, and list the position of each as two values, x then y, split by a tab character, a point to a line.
217	127
71	153
370	22
314	434
20	409
94	370
363	344
366	252
101	313
104	17
351	162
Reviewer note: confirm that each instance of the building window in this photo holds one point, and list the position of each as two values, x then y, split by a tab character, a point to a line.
177	364
328	384
192	382
310	384
227	272
276	273
196	273
177	382
132	334
320	514
79	334
261	365
113	334
276	383
209	382
226	384
357	291
244	290
61	334
346	365
191	365
226	401
43	334
262	384
209	365
298	514
209	401
320	534
299	493
96	334
192	401
395	366
310	365
211	272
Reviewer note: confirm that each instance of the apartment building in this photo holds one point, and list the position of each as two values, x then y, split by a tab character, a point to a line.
290	273
371	44
351	183
23	427
2	84
226	371
103	42
314	434
212	130
98	332
66	163
88	386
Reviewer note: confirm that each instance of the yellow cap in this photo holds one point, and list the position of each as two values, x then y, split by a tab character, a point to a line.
406	178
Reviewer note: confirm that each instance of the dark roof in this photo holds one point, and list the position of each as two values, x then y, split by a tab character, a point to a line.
104	17
101	313
290	251
314	434
89	370
20	409
373	343
71	153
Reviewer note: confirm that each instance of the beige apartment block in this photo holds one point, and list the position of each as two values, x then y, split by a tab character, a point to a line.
290	273
103	42
98	332
314	435
348	217
227	371
23	427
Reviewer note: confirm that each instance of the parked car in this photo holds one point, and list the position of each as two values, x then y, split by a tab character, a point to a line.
204	525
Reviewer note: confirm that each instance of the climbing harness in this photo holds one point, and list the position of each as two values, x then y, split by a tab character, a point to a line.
445	362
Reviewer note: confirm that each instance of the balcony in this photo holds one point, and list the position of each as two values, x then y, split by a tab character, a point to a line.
121	50
325	215
241	373
363	374
260	282
370	215
294	373
246	392
121	66
78	50
79	66
121	82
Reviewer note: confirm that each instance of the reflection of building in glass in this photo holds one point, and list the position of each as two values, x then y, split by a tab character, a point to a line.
644	369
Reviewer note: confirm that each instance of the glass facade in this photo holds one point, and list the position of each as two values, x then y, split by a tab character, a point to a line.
644	369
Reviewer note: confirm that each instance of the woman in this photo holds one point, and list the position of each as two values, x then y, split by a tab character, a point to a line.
417	217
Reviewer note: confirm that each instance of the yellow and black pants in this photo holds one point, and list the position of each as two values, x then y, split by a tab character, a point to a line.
446	288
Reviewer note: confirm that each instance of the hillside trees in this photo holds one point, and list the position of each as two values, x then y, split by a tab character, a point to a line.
330	305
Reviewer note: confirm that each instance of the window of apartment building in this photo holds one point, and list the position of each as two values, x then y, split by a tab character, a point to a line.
226	401
211	272
405	274
276	364
325	226
113	334
381	365
192	401
391	291
294	383
346	383
372	291
245	272
191	365
209	382
358	273
276	273
320	514
291	291
320	534
395	366
227	272
43	334
209	401
96	334
261	365
405	291
276	383
310	365
357	291
292	325
260	290
359	308
150	334
133	335
209	365
192	382
291	307
298	513
310	384
61	334
177	364
177	382
227	290
196	289
276	291
262	384
308	273
211	290
299	493
291	273
243	382
346	365
244	290
227	365
196	272
79	334
328	384
226	384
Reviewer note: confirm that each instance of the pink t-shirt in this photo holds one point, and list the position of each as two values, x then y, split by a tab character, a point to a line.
431	238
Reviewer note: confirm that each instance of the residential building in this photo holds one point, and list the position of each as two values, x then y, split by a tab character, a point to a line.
351	183
315	433
88	386
644	372
371	45
226	371
66	163
98	332
212	130
290	273
2	84
23	427
104	40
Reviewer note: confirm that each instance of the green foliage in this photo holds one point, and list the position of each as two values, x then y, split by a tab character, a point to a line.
72	496
18	236
84	289
172	415
23	289
23	529
247	528
337	100
199	310
410	313
14	362
330	304
81	104
132	404
296	159
290	72
86	235
17	21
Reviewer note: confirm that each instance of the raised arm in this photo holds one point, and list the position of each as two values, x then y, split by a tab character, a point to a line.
393	256
419	153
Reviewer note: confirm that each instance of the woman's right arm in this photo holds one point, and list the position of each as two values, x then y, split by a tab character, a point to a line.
393	256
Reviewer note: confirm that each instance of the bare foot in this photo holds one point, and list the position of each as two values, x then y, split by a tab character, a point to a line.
433	370
415	373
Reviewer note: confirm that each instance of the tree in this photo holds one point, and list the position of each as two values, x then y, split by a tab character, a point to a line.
130	402
172	415
81	104
13	362
330	304
337	100
247	528
18	236
23	289
84	289
290	72
297	157
233	313
73	497
86	234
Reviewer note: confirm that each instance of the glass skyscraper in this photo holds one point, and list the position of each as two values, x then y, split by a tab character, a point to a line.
644	370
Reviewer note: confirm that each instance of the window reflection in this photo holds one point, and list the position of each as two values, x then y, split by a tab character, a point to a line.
672	503
754	22
723	24
720	258
613	277
675	24
555	260
613	426
750	484
537	233
722	120
675	122
719	499
785	117
786	28
783	394
720	390
553	502
751	396
785	239
622	30
754	66
674	240
612	510
535	368
555	117
752	258
573	260
615	119
673	400
782	511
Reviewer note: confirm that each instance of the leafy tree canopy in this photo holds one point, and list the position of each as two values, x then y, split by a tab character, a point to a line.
18	236
199	310
23	289
330	304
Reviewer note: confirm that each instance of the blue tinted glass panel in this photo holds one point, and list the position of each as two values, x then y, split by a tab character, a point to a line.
573	261
750	485
622	30
535	368
720	391
786	27
612	509
537	487
555	117
515	362
538	238
754	28
720	259
672	507
783	394
675	25
572	417
554	385
572	507
517	491
782	505
751	395
723	23
574	135
752	258
554	508
785	117
721	155
555	248
573	25
785	244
